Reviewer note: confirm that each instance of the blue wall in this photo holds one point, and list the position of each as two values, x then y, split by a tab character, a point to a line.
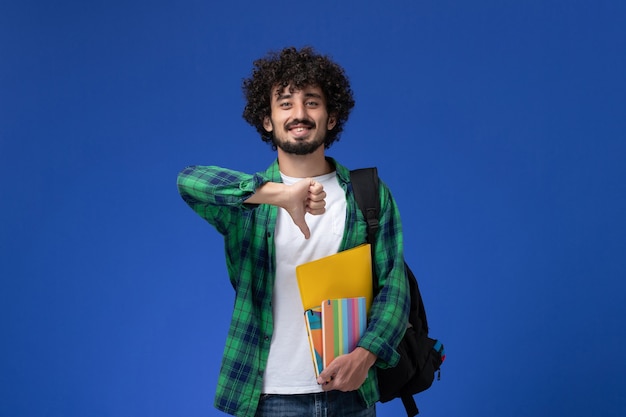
499	126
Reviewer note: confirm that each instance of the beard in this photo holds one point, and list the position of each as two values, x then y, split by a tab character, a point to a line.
302	146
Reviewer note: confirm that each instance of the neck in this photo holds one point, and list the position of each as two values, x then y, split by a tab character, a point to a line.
304	166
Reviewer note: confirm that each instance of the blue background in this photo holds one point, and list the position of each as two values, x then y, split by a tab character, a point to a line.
499	125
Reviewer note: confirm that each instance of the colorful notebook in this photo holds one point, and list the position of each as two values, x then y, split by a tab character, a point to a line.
313	319
343	323
345	274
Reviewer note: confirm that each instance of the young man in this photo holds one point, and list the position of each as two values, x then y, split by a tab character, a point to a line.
300	209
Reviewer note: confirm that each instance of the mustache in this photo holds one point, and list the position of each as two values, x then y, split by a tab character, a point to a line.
304	122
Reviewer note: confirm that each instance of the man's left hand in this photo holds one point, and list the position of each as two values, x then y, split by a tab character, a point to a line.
347	372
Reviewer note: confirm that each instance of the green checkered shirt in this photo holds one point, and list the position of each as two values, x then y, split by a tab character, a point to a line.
218	195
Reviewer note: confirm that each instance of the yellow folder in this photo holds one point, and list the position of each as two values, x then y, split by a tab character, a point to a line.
346	274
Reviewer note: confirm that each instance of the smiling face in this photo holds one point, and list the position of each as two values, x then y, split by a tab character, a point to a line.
299	120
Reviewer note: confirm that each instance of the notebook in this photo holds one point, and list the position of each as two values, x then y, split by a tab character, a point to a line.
343	323
313	320
346	274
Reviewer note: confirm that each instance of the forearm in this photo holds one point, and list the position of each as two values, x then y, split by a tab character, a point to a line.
217	194
273	193
213	185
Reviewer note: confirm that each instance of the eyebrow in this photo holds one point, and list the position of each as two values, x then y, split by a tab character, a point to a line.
280	96
314	95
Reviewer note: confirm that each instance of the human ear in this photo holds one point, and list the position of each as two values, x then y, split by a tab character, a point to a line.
267	124
332	121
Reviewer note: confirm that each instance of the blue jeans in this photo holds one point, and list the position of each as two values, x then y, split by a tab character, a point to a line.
323	404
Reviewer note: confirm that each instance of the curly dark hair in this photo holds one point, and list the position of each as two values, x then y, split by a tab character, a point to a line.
297	69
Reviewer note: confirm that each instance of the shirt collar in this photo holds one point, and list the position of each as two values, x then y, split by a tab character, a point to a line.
273	172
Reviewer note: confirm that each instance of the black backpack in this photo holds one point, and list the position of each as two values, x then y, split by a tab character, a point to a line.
420	356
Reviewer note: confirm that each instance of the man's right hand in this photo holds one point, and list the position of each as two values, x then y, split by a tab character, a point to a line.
305	196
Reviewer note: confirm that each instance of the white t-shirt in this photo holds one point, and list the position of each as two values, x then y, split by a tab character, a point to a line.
289	366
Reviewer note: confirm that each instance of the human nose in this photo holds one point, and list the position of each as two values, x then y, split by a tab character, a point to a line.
299	111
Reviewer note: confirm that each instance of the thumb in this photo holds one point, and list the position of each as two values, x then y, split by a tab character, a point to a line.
304	228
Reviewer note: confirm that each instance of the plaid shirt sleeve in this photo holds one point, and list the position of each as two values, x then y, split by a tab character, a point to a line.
216	194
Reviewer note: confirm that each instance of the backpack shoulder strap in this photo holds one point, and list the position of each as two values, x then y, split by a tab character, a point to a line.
365	187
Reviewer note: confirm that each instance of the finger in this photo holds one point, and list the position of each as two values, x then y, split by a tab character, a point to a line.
318	196
315	187
328	385
325	379
316	212
304	228
315	205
